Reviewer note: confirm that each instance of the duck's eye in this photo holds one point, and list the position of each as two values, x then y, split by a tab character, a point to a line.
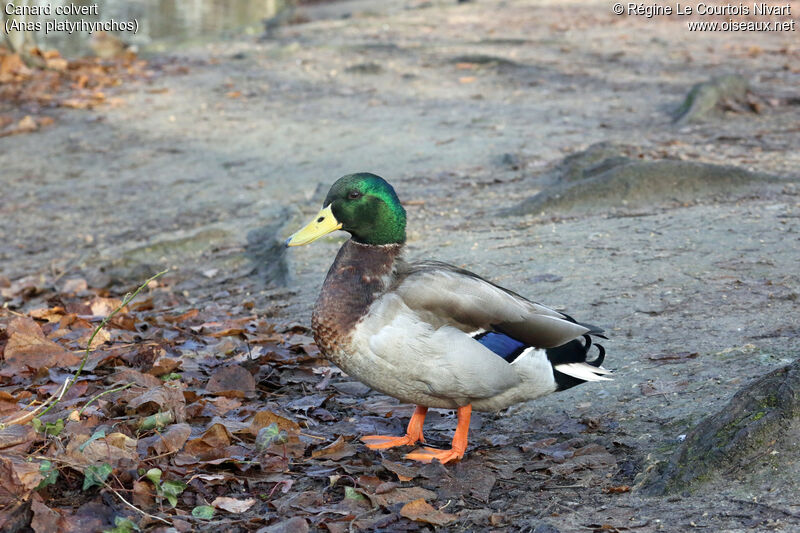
354	195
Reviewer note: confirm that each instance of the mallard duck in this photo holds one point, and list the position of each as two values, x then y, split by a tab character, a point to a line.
430	333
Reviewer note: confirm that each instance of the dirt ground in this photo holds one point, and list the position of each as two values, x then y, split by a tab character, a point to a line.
463	107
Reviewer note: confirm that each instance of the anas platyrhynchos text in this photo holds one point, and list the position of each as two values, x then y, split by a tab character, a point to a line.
430	333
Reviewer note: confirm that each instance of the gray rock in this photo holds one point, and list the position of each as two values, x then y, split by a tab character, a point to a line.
586	163
139	261
632	184
509	161
364	68
205	256
704	98
762	417
484	59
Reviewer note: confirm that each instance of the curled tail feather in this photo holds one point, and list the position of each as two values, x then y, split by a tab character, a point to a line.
570	364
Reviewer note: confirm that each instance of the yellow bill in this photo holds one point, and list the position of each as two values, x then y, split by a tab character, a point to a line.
322	224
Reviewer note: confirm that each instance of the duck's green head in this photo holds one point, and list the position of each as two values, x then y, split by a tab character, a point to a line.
362	204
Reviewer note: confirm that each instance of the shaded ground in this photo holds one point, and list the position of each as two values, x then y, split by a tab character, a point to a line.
241	143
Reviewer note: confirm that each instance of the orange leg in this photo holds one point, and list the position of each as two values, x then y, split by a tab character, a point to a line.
426	455
413	433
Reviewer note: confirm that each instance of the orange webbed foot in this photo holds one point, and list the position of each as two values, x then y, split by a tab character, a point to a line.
412	436
383	442
427	455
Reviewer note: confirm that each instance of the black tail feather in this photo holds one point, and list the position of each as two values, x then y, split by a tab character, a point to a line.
573	352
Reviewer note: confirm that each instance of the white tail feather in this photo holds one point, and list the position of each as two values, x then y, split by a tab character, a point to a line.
584	371
599	369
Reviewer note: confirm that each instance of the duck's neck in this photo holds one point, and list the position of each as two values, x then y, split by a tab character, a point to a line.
358	276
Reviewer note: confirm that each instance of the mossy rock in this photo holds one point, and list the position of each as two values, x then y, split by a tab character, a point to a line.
484	59
596	159
507	41
707	97
234	248
762	417
162	251
624	183
364	68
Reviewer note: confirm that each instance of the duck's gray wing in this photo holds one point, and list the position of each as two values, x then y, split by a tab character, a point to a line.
443	294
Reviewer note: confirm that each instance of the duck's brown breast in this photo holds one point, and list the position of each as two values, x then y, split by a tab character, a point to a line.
358	276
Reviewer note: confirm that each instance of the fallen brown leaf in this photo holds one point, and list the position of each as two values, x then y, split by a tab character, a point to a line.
10	66
171	440
421	511
104	306
400	495
264	418
27	348
9	403
18	478
339	449
45	519
16	438
232	505
231	381
114	449
215	438
403	473
52	314
27	124
143	495
162	398
56	63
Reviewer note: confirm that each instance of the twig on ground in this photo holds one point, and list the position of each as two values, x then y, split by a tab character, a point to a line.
27	417
98	396
129	504
125	301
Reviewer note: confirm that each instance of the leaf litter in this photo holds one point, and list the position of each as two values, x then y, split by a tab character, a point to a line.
205	418
31	88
